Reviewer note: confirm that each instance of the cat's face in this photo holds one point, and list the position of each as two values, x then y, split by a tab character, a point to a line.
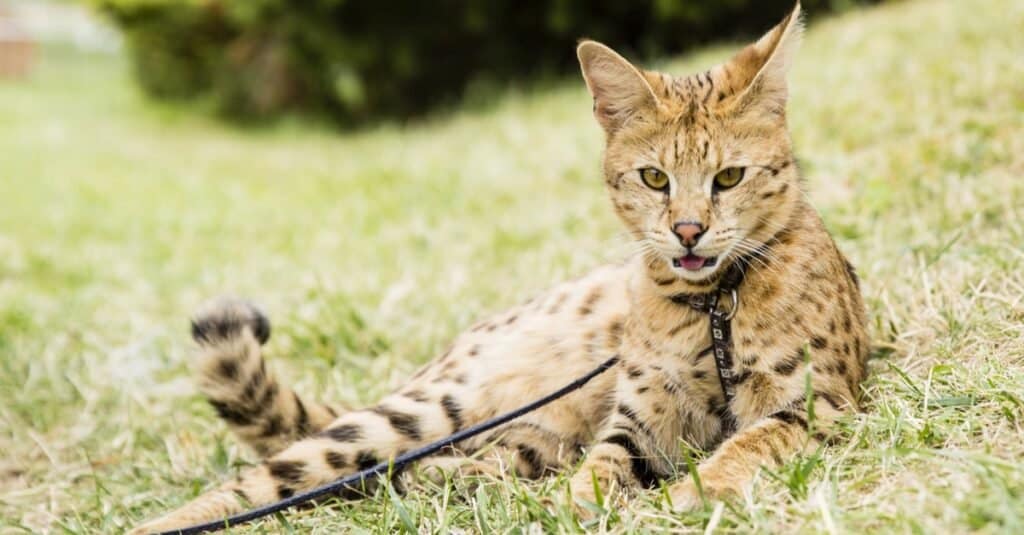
699	168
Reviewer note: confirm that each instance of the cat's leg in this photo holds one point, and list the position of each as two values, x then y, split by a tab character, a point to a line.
767	442
354	441
525	448
637	441
231	373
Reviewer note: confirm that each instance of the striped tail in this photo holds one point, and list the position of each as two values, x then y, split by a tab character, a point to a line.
231	373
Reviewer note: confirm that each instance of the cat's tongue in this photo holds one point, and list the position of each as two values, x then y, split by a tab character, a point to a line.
690	262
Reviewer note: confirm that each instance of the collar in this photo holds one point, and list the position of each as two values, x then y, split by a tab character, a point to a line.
729	283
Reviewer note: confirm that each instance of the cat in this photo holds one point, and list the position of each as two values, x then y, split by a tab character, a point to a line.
701	171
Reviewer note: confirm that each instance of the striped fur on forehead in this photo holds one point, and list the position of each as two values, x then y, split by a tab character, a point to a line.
686	97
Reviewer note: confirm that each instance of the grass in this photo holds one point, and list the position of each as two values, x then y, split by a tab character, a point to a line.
370	250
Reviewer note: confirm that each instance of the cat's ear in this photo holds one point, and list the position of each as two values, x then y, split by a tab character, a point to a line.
619	89
758	72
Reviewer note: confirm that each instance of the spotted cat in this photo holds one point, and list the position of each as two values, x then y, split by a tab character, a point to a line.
701	171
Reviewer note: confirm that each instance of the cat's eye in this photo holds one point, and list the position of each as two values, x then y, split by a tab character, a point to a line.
654	178
727	178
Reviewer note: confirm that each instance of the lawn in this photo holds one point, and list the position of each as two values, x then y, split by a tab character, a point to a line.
370	250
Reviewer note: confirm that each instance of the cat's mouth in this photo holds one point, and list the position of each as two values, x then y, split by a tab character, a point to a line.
692	262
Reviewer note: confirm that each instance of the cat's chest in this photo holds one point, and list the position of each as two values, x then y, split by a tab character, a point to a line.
670	370
678	349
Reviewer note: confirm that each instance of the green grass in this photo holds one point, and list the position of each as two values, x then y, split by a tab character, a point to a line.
370	250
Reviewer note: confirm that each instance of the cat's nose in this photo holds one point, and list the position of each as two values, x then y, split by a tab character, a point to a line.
688	232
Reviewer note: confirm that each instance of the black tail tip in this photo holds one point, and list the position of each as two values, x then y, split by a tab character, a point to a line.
225	319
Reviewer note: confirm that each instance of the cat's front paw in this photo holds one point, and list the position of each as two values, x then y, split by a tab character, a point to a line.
584	498
593	495
685	496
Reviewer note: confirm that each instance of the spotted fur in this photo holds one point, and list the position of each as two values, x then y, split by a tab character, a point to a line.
800	321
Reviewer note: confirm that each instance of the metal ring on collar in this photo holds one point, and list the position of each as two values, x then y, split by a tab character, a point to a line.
735	304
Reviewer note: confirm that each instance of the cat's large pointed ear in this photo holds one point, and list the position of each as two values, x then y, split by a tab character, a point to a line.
619	89
758	72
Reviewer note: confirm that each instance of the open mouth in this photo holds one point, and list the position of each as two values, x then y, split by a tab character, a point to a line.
692	262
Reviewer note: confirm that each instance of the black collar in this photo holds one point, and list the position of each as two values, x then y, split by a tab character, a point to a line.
729	283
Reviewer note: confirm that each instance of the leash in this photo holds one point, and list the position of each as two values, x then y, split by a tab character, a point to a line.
720	326
399	462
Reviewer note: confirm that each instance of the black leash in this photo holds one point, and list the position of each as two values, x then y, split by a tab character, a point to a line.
399	462
721	330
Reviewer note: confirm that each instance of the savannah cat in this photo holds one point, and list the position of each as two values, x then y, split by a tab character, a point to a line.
701	171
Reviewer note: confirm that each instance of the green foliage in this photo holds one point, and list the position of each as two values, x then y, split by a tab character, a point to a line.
354	60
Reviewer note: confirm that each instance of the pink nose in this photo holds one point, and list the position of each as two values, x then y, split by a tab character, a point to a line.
688	232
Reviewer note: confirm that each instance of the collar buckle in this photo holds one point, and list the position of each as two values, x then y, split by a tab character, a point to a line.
734	296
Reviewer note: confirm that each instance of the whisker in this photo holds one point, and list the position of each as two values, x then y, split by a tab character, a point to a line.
764	258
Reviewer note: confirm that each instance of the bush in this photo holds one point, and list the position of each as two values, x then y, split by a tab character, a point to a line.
354	60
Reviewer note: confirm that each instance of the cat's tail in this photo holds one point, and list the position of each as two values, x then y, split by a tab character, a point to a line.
231	373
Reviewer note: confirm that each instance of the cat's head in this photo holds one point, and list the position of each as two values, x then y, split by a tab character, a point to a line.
700	167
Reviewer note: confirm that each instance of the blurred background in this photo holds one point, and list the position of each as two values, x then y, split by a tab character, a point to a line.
379	175
347	61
